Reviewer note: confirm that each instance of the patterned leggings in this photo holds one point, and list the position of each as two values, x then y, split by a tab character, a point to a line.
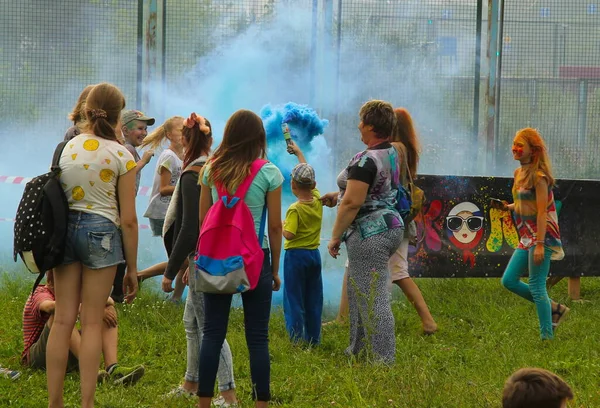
371	318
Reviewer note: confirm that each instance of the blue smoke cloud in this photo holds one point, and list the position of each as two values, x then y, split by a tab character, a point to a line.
305	125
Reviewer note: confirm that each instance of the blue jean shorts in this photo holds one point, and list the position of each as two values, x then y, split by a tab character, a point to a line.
93	240
156	226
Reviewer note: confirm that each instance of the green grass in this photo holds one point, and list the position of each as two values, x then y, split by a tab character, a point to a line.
485	334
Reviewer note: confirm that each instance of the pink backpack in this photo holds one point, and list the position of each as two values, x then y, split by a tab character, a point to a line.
229	255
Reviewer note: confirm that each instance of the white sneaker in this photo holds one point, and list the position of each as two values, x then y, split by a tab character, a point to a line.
180	392
220	402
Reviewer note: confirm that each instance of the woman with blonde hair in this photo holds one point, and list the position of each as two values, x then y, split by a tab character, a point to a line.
537	222
168	171
405	140
244	142
97	174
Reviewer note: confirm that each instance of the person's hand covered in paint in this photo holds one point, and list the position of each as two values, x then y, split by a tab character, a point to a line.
538	254
499	204
334	247
167	284
330	199
148	154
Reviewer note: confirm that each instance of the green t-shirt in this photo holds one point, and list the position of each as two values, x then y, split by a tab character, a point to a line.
304	221
269	178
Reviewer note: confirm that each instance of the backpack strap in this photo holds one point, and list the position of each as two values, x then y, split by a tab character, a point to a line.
242	189
195	169
56	158
263	221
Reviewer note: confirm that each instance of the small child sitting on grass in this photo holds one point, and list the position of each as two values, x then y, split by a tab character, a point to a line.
303	284
535	388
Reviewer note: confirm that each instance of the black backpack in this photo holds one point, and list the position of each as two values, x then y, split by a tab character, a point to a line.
41	221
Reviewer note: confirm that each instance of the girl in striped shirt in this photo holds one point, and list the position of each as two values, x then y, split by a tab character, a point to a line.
537	222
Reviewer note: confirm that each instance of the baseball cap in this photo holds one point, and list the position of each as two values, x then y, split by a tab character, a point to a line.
303	173
129	115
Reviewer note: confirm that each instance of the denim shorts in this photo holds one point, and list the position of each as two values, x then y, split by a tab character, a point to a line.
93	240
156	226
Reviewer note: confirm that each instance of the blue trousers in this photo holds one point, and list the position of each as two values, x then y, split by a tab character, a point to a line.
257	310
303	294
521	262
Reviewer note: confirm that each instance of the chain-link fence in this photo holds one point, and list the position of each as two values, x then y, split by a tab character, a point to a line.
551	81
333	55
50	52
419	55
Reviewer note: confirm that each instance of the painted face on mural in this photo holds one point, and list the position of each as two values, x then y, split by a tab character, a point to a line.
464	226
521	150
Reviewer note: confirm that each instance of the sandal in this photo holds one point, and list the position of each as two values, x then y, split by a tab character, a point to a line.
561	313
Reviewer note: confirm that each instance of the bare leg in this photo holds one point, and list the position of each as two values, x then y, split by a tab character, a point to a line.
74	342
414	295
96	286
343	312
67	285
152	271
110	339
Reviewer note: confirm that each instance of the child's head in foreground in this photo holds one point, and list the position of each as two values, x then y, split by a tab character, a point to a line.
303	178
535	388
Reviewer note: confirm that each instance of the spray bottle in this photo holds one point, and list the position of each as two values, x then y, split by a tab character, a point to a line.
287	136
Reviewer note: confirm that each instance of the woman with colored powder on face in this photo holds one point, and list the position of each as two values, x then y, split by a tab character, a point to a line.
537	222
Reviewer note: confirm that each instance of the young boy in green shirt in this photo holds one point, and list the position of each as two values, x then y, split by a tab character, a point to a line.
303	284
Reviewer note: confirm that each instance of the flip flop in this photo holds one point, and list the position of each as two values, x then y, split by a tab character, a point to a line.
560	313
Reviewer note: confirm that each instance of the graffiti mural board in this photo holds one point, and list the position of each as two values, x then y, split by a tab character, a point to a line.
460	235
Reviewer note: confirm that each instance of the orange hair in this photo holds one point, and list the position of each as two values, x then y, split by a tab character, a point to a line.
404	132
540	161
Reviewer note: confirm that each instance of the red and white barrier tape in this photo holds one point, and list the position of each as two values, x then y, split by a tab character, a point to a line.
144	191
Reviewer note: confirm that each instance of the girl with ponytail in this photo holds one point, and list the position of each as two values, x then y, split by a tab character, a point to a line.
98	177
181	235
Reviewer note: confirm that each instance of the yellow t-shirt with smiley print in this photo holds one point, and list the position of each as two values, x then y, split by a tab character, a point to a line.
90	167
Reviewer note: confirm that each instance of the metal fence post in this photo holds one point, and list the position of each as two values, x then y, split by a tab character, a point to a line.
313	53
582	108
336	99
490	95
477	78
140	52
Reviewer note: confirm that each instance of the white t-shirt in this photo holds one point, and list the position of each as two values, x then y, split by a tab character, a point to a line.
90	168
157	208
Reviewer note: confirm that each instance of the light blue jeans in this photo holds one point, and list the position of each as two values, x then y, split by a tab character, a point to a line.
521	262
193	322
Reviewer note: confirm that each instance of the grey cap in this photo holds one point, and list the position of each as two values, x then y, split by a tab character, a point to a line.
132	114
303	173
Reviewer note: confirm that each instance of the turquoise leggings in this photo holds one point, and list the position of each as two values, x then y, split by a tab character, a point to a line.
520	262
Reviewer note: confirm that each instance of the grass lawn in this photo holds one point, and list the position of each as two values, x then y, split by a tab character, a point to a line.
485	334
